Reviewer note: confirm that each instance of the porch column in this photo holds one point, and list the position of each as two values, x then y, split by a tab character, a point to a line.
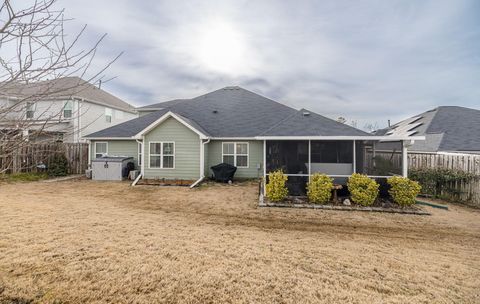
309	160
354	157
264	165
404	158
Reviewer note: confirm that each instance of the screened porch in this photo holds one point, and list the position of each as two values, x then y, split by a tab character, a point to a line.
339	159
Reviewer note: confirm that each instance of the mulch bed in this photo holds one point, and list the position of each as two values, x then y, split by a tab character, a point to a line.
380	205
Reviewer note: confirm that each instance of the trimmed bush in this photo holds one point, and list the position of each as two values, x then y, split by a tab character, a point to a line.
276	190
58	165
403	190
319	189
363	190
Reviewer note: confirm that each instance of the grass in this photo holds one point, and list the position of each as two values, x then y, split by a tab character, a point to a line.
23	177
86	241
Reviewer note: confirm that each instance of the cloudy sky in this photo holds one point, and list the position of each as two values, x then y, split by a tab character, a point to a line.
368	61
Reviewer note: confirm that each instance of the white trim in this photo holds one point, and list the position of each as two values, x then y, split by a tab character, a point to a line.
354	157
235	153
89	152
233	138
382	138
161	155
264	166
404	158
109	138
202	160
142	169
140	153
334	175
95	147
165	117
309	160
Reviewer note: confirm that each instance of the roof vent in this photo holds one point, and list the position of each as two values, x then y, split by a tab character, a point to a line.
305	113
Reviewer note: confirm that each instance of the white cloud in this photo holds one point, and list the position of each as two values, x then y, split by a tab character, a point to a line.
367	61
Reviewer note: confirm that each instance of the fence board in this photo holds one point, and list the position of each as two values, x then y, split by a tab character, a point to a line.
468	192
26	158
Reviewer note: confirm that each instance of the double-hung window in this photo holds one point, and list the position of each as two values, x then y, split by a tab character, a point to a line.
235	154
101	149
67	109
108	115
162	155
30	109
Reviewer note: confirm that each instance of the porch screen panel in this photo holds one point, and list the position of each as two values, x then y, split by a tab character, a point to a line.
291	156
332	157
379	159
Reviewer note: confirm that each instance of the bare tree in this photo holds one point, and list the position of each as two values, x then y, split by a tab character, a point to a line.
35	47
371	127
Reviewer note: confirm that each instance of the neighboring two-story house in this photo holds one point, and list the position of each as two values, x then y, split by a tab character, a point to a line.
63	109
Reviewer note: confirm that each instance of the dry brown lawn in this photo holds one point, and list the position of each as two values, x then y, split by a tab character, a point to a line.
95	242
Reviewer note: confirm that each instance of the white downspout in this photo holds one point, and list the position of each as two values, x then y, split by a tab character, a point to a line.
142	166
202	163
89	153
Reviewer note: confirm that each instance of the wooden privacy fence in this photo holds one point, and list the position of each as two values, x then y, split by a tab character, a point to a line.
28	157
467	192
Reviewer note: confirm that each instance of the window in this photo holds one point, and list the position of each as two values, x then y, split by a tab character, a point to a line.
30	109
101	149
108	115
140	153
162	155
67	109
235	154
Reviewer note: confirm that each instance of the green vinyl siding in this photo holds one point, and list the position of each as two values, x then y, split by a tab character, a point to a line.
119	148
187	151
255	157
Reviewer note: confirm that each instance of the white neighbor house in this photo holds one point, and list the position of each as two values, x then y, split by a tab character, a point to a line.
66	108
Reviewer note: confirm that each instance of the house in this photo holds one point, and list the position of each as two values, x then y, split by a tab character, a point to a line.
182	139
63	109
446	129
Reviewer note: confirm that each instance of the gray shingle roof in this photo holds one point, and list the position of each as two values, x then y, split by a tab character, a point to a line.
160	105
446	128
236	112
64	88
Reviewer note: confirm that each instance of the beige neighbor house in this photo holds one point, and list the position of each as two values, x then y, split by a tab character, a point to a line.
182	139
65	109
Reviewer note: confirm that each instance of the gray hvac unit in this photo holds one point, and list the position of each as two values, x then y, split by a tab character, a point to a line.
109	168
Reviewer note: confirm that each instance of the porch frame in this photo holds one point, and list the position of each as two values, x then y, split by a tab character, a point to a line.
405	143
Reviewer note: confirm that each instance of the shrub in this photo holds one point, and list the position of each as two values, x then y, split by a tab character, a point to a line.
319	189
438	181
403	190
276	190
58	165
363	190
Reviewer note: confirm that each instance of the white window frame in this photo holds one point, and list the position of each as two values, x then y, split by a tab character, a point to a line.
161	154
30	107
68	102
108	113
140	154
235	152
95	147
